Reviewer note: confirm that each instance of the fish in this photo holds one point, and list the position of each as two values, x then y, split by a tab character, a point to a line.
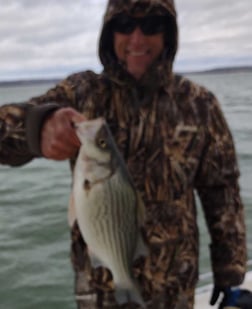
109	210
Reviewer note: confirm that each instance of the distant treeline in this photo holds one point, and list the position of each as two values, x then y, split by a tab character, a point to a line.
28	82
56	80
237	69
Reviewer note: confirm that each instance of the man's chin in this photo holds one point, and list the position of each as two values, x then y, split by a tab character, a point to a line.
136	71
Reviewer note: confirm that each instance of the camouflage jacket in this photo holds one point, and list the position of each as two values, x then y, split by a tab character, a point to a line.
175	140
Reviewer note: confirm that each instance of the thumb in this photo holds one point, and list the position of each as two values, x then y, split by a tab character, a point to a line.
77	117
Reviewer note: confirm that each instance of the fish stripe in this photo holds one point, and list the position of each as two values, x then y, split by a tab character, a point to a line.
117	208
113	225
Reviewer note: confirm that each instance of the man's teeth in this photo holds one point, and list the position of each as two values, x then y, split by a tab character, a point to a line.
137	53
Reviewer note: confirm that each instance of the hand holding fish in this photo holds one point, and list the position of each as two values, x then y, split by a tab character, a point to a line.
58	137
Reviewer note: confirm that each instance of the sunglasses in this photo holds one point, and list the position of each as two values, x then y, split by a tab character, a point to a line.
149	25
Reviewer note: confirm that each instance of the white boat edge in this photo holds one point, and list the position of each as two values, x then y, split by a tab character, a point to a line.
203	293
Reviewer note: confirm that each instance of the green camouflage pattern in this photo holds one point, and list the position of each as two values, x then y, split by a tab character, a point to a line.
174	139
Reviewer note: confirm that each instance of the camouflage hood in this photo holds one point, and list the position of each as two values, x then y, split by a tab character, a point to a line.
163	66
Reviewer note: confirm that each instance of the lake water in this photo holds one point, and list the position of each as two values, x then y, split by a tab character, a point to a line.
35	268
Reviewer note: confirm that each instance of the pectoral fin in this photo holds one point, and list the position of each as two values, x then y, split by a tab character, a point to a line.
71	211
141	249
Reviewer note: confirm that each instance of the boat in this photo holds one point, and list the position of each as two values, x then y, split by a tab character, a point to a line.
203	293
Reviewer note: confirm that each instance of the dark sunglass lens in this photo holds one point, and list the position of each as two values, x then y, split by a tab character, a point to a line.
124	24
153	24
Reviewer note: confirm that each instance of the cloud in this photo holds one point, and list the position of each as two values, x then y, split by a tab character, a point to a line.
214	33
54	38
48	34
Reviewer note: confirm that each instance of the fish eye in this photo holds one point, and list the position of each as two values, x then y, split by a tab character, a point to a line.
102	143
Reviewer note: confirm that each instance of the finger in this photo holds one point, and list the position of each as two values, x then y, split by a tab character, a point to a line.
70	136
78	118
215	296
73	117
59	140
65	146
61	152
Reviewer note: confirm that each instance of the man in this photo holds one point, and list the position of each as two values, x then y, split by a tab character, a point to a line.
174	139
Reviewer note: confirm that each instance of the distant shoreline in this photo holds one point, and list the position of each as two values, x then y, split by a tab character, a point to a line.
240	69
30	82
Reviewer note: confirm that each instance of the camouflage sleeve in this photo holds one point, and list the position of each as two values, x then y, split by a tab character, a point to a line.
218	189
20	124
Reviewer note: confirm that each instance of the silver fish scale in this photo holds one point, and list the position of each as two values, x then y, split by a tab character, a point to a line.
114	223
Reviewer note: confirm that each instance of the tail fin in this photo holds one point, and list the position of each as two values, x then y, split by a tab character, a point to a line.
131	294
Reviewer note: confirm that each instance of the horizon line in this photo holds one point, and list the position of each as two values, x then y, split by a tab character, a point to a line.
220	69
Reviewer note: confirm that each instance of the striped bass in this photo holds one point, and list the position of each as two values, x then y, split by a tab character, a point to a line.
109	211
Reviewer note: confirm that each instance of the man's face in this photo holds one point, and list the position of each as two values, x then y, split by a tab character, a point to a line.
138	50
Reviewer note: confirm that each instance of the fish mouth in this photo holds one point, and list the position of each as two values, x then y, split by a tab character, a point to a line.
88	129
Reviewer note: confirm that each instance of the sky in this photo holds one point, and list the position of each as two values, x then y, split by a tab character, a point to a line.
54	38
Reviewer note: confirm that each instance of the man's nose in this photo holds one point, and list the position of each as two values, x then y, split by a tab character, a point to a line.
137	35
